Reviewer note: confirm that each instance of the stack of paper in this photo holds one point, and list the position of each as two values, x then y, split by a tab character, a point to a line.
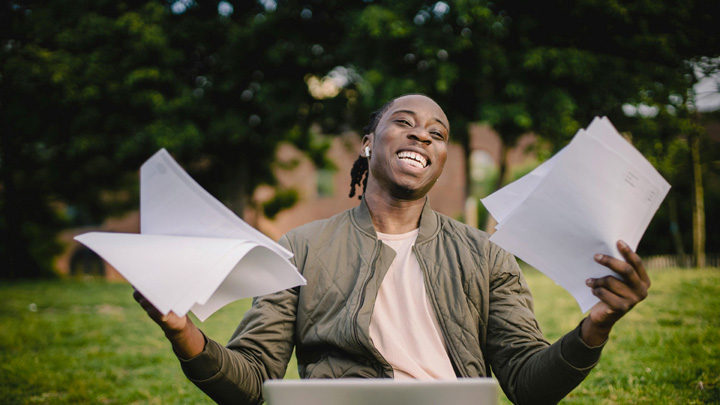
193	253
597	190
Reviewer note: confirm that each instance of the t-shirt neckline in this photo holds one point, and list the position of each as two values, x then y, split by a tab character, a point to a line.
398	236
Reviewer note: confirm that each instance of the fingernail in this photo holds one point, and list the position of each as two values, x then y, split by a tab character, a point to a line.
622	244
588	282
598	257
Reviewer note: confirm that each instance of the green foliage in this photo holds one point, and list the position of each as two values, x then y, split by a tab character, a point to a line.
550	67
89	90
382	23
663	137
79	101
542	66
283	198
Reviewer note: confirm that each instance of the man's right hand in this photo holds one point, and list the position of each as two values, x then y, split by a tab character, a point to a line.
169	323
186	338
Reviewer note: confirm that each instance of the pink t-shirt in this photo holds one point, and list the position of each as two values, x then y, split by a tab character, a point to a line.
404	327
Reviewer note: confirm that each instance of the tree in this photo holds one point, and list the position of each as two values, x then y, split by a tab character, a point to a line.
91	89
547	67
71	95
680	147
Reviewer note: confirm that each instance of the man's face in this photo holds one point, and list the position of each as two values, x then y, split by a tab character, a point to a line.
409	147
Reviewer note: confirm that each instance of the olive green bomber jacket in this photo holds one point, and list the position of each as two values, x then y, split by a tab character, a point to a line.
481	300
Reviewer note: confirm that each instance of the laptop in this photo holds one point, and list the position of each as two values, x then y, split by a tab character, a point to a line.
369	391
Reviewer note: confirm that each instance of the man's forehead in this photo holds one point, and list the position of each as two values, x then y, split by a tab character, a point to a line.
417	101
418	104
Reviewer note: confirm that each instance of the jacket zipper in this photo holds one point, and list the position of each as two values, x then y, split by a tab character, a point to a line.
376	255
453	353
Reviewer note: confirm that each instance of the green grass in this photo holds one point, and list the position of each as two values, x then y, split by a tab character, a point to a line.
89	342
663	351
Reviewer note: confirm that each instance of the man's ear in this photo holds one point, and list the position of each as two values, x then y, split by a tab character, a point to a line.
366	145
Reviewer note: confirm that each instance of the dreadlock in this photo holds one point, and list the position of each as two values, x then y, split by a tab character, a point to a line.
359	172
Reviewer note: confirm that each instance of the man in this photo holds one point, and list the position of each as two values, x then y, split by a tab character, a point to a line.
397	290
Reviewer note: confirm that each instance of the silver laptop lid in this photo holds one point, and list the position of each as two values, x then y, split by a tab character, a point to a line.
368	391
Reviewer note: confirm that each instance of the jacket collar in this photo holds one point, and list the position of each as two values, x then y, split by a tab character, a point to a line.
429	223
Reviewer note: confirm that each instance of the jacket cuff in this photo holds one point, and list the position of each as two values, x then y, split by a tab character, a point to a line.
204	366
577	353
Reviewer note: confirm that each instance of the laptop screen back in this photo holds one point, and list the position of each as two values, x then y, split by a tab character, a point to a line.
351	391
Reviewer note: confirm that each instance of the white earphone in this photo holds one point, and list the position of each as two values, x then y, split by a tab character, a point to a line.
367	151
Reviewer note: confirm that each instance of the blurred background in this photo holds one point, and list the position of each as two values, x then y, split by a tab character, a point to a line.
263	102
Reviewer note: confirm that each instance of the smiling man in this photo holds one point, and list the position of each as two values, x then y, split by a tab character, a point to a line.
397	290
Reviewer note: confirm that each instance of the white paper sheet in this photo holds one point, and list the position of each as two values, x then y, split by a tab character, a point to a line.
172	203
596	191
193	253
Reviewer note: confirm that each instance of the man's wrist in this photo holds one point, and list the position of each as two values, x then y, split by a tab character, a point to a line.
593	334
187	342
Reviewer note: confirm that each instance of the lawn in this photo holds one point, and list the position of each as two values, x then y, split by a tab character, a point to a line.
89	342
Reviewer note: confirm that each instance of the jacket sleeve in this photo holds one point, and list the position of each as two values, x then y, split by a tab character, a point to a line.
260	349
529	369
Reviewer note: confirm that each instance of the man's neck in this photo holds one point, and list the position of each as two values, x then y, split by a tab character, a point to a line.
392	216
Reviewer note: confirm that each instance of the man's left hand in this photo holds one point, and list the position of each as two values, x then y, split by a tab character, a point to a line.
617	297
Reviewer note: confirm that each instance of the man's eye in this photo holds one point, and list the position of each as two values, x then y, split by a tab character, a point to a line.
404	122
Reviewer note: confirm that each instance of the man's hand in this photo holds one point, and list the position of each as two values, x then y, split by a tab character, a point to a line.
186	338
169	323
617	297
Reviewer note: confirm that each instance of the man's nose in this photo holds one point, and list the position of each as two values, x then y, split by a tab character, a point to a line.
420	135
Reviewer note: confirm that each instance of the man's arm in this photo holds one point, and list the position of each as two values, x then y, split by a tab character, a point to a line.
531	371
617	297
260	349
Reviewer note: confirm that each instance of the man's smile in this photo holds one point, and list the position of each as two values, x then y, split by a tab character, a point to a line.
413	158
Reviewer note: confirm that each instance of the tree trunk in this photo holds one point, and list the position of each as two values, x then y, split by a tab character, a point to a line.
236	194
674	227
698	204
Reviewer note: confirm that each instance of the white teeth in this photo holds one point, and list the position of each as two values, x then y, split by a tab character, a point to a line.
413	158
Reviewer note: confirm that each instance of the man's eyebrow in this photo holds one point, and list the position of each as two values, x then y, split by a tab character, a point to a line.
413	113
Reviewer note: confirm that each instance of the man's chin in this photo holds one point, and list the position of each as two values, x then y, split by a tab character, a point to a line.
409	192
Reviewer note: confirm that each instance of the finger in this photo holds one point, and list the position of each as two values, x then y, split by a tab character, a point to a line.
147	306
616	303
141	299
150	309
138	297
615	286
634	260
624	269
